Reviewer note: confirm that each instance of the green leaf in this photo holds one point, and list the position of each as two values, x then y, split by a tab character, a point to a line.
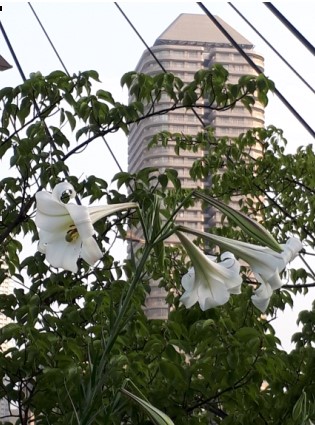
157	416
246	334
71	119
92	74
128	78
122	178
299	412
56	74
83	130
173	177
62	116
105	95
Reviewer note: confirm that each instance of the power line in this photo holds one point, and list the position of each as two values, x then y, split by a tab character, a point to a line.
153	55
18	65
291	27
48	38
66	71
272	48
139	35
256	68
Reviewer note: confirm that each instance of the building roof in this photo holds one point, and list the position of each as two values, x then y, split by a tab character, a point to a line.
4	64
195	28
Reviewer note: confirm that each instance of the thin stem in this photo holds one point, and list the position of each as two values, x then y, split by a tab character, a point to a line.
165	234
115	127
124	307
114	334
307	265
299	285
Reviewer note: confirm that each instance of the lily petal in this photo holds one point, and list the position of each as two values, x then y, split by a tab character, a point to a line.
63	254
98	212
57	214
208	282
48	205
60	189
262	296
213	295
81	219
190	297
90	251
52	223
46	238
231	263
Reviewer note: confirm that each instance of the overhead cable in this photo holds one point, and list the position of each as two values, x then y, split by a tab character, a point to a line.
18	65
48	38
66	71
16	61
152	54
272	48
256	68
139	35
35	103
292	28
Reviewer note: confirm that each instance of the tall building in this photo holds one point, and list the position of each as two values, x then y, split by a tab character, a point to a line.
6	289
190	43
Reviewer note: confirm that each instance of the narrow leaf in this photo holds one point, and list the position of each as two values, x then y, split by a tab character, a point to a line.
248	225
157	416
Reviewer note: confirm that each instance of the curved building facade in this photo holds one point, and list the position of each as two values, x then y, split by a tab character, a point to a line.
190	43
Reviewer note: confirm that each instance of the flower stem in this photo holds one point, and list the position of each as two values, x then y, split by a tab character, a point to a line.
88	414
124	307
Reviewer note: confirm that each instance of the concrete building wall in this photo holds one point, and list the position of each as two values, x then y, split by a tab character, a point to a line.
6	288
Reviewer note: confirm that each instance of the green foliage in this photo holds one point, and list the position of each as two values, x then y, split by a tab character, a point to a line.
211	84
78	340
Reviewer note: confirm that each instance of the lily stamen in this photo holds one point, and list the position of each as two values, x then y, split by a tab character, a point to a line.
72	234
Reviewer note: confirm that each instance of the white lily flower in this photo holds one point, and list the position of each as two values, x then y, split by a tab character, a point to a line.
265	263
66	230
207	282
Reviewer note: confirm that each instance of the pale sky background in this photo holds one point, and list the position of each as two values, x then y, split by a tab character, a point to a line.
94	35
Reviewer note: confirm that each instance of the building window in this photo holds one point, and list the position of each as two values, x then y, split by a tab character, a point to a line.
193	54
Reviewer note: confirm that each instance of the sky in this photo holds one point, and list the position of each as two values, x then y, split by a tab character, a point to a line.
95	35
